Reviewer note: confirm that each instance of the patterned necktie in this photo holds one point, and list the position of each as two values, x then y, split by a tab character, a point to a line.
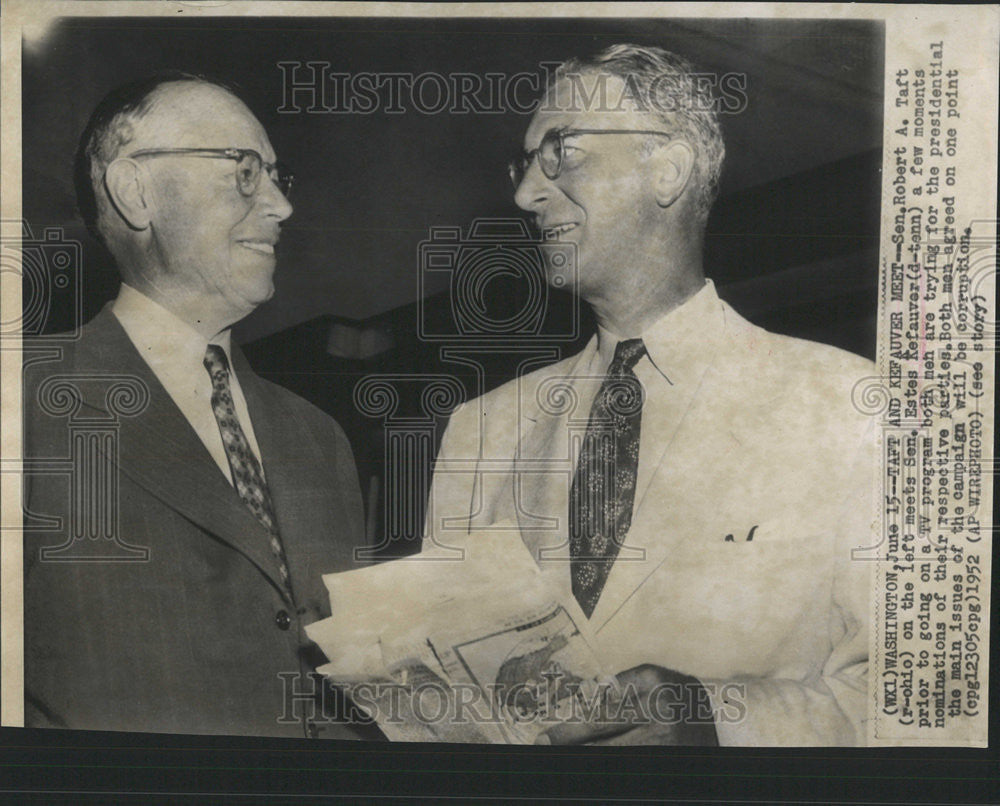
247	475
603	491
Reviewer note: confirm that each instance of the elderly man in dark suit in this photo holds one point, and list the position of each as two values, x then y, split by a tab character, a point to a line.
170	595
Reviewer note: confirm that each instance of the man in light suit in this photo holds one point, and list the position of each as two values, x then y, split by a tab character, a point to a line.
168	578
697	483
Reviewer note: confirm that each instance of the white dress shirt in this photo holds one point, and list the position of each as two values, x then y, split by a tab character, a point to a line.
669	372
175	352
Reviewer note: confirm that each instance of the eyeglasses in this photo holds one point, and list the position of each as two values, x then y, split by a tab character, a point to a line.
249	165
552	148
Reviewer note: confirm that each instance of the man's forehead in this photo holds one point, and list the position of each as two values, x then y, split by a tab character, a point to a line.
194	115
588	100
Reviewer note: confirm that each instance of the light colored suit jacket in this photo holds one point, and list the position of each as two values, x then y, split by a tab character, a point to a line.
194	634
755	483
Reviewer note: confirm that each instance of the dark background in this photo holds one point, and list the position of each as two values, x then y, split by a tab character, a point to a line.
800	189
792	241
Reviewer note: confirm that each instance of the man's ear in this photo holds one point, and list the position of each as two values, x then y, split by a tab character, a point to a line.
674	169
126	184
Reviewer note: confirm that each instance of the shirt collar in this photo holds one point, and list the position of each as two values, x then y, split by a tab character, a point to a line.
162	338
677	343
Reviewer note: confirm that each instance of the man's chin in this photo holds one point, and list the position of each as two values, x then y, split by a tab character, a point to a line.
265	295
256	280
249	298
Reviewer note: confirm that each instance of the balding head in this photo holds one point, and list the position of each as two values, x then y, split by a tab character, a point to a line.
112	128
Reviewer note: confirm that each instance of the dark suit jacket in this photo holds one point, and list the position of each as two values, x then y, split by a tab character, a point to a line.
152	600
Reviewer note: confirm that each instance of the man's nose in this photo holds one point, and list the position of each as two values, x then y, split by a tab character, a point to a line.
270	197
535	188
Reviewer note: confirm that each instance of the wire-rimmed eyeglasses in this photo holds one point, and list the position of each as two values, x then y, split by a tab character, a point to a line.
249	165
552	148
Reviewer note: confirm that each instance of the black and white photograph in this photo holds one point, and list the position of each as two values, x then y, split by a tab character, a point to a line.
575	382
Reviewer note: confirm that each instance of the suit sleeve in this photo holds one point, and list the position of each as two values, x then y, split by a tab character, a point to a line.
831	708
350	485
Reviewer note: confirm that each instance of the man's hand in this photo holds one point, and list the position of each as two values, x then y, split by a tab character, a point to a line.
652	705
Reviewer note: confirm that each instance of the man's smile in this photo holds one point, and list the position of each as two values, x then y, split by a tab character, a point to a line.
261	247
553	232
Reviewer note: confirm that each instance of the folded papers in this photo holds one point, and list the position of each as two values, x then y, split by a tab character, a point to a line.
478	648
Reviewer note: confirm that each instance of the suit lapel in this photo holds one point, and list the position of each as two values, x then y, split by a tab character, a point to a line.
666	432
648	542
544	462
293	472
160	451
663	416
540	486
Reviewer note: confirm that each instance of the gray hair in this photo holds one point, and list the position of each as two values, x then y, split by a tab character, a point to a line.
667	86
